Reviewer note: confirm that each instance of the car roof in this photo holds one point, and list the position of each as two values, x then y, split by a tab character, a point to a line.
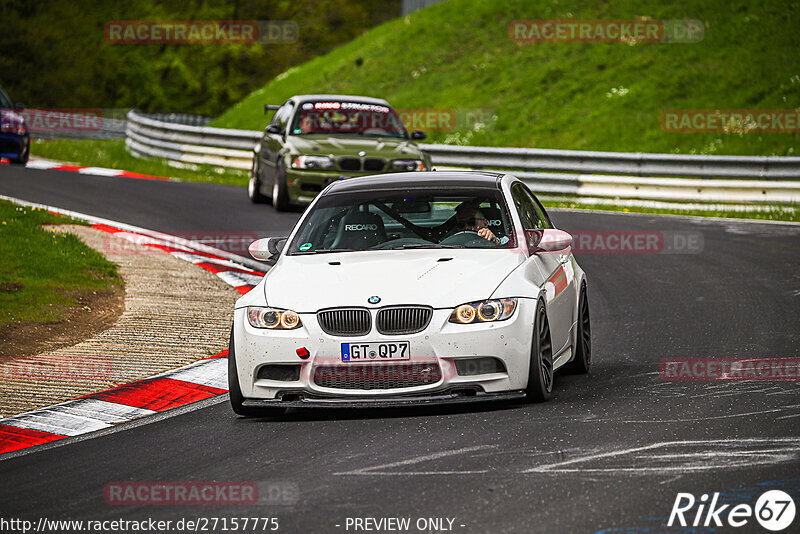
345	98
431	179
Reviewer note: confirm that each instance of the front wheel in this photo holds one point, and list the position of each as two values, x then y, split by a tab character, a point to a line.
540	374
235	391
22	160
583	339
280	191
254	185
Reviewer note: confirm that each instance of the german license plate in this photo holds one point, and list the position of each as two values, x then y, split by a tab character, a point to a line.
382	351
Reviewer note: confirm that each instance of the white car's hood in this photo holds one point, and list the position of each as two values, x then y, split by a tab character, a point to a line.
309	283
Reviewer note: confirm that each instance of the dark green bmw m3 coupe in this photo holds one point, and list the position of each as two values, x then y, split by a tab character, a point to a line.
315	139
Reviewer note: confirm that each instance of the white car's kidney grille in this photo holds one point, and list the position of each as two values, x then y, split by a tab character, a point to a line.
371	376
403	320
345	322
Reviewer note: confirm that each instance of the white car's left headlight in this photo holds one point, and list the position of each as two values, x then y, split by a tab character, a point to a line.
273	318
484	311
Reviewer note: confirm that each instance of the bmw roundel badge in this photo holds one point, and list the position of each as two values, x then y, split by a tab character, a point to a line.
374	299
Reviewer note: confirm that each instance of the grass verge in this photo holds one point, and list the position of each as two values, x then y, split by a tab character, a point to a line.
111	154
42	271
778	212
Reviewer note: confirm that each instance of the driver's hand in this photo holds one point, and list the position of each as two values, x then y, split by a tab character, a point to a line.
487	234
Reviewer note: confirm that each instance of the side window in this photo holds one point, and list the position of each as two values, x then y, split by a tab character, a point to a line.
282	115
544	220
526	208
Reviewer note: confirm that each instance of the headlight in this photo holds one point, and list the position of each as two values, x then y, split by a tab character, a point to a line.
408	165
312	162
16	128
272	318
484	311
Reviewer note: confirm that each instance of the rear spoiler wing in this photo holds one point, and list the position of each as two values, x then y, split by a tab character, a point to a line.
270	107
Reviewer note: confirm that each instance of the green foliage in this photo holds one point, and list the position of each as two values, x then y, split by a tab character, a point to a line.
54	52
457	55
39	268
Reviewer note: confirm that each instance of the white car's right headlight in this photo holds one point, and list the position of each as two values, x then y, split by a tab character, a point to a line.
484	311
273	318
312	162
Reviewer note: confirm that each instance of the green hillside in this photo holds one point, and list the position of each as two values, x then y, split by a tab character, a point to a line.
457	55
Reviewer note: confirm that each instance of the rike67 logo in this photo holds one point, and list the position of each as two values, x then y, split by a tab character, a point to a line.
774	510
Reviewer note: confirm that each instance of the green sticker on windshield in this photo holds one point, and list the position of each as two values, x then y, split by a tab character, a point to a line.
305	246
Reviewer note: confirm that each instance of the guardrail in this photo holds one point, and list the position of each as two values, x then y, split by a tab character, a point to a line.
575	172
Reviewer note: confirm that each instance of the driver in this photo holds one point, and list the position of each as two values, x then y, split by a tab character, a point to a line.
470	218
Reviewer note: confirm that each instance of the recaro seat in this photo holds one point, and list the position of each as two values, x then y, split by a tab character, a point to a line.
495	219
360	231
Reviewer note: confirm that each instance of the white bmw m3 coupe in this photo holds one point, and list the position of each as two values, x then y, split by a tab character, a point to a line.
411	288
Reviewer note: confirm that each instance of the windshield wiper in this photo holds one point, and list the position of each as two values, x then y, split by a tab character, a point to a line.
420	245
322	251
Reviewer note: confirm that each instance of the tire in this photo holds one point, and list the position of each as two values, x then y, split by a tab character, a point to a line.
254	185
280	192
235	391
22	160
540	374
583	340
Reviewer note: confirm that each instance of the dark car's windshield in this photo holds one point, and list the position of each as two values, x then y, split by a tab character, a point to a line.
5	102
405	219
347	118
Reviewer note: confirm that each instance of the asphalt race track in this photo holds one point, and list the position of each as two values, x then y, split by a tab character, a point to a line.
609	452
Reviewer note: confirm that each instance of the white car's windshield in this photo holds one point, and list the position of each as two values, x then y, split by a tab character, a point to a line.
405	219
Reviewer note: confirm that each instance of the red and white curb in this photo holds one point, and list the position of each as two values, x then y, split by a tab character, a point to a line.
195	382
233	274
81	169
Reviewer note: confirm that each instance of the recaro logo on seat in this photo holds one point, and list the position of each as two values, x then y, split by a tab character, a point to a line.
359	227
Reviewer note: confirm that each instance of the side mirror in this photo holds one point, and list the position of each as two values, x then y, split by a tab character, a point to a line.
268	248
274	129
418	135
19	106
550	240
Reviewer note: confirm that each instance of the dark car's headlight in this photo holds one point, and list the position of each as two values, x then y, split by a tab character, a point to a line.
408	165
312	162
484	311
273	318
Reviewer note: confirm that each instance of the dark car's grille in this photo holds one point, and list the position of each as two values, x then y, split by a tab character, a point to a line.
371	376
350	164
403	320
345	322
374	164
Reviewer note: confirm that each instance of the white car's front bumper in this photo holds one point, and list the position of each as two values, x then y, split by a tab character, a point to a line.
441	344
